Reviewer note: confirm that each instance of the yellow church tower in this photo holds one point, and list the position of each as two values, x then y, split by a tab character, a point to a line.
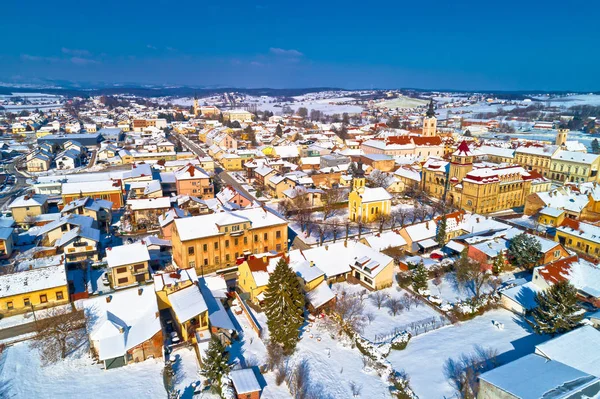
430	122
462	162
561	137
196	105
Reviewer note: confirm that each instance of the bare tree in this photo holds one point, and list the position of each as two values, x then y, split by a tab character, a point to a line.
421	212
407	301
382	220
378	178
356	389
58	334
350	312
398	216
379	298
470	274
335	228
275	355
299	380
321	229
394	305
330	199
370	317
463	372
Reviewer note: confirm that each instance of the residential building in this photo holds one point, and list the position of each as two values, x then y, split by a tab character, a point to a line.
216	241
108	190
128	265
580	236
124	327
191	180
33	289
25	207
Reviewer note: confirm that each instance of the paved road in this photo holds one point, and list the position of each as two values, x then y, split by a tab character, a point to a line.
225	177
20	184
15	331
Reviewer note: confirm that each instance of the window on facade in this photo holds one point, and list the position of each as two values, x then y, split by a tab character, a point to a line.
245	240
121	270
216	260
235	228
205	247
217	245
278	247
226	229
205	261
235	241
255	237
190	250
265	236
278	234
226	243
9	305
26	302
226	257
43	298
192	263
122	280
59	295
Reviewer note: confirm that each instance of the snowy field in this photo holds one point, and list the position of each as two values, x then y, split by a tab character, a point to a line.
332	366
384	322
401	102
23	376
424	357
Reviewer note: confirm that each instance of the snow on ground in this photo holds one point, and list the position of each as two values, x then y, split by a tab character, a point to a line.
28	317
187	373
22	376
384	322
424	357
402	102
332	366
450	291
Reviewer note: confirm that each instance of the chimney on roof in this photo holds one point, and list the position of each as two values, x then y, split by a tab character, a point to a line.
326	247
108	298
312	263
140	291
477	220
345	243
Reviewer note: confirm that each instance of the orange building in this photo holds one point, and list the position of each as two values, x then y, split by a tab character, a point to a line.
194	181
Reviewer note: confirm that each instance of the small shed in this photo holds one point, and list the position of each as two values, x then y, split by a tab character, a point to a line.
245	383
520	299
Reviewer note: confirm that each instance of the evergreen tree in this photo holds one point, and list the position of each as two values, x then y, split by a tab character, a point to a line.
498	265
440	235
284	306
524	250
278	130
394	123
595	146
557	311
215	363
419	278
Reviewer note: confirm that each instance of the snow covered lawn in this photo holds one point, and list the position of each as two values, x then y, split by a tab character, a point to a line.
22	376
384	322
425	355
28	317
332	366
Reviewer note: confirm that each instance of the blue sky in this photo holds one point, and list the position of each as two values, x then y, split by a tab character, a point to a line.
502	45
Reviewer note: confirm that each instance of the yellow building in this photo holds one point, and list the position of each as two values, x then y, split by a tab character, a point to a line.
34	289
580	236
239	115
551	216
253	275
28	206
128	265
216	241
571	166
430	122
367	204
178	291
232	162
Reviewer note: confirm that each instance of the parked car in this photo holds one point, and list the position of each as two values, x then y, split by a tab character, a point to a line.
105	279
174	337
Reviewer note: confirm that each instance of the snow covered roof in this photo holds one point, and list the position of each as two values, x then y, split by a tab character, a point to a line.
162	279
73	219
553	212
127	254
212	292
388	239
32	280
524	295
575	349
307	271
130	318
573	156
187	303
320	295
90	187
244	381
582	230
149	203
544	378
375	194
89	233
190	172
208	225
29	200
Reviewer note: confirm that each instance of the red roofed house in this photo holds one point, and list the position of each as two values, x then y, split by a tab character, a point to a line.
192	180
